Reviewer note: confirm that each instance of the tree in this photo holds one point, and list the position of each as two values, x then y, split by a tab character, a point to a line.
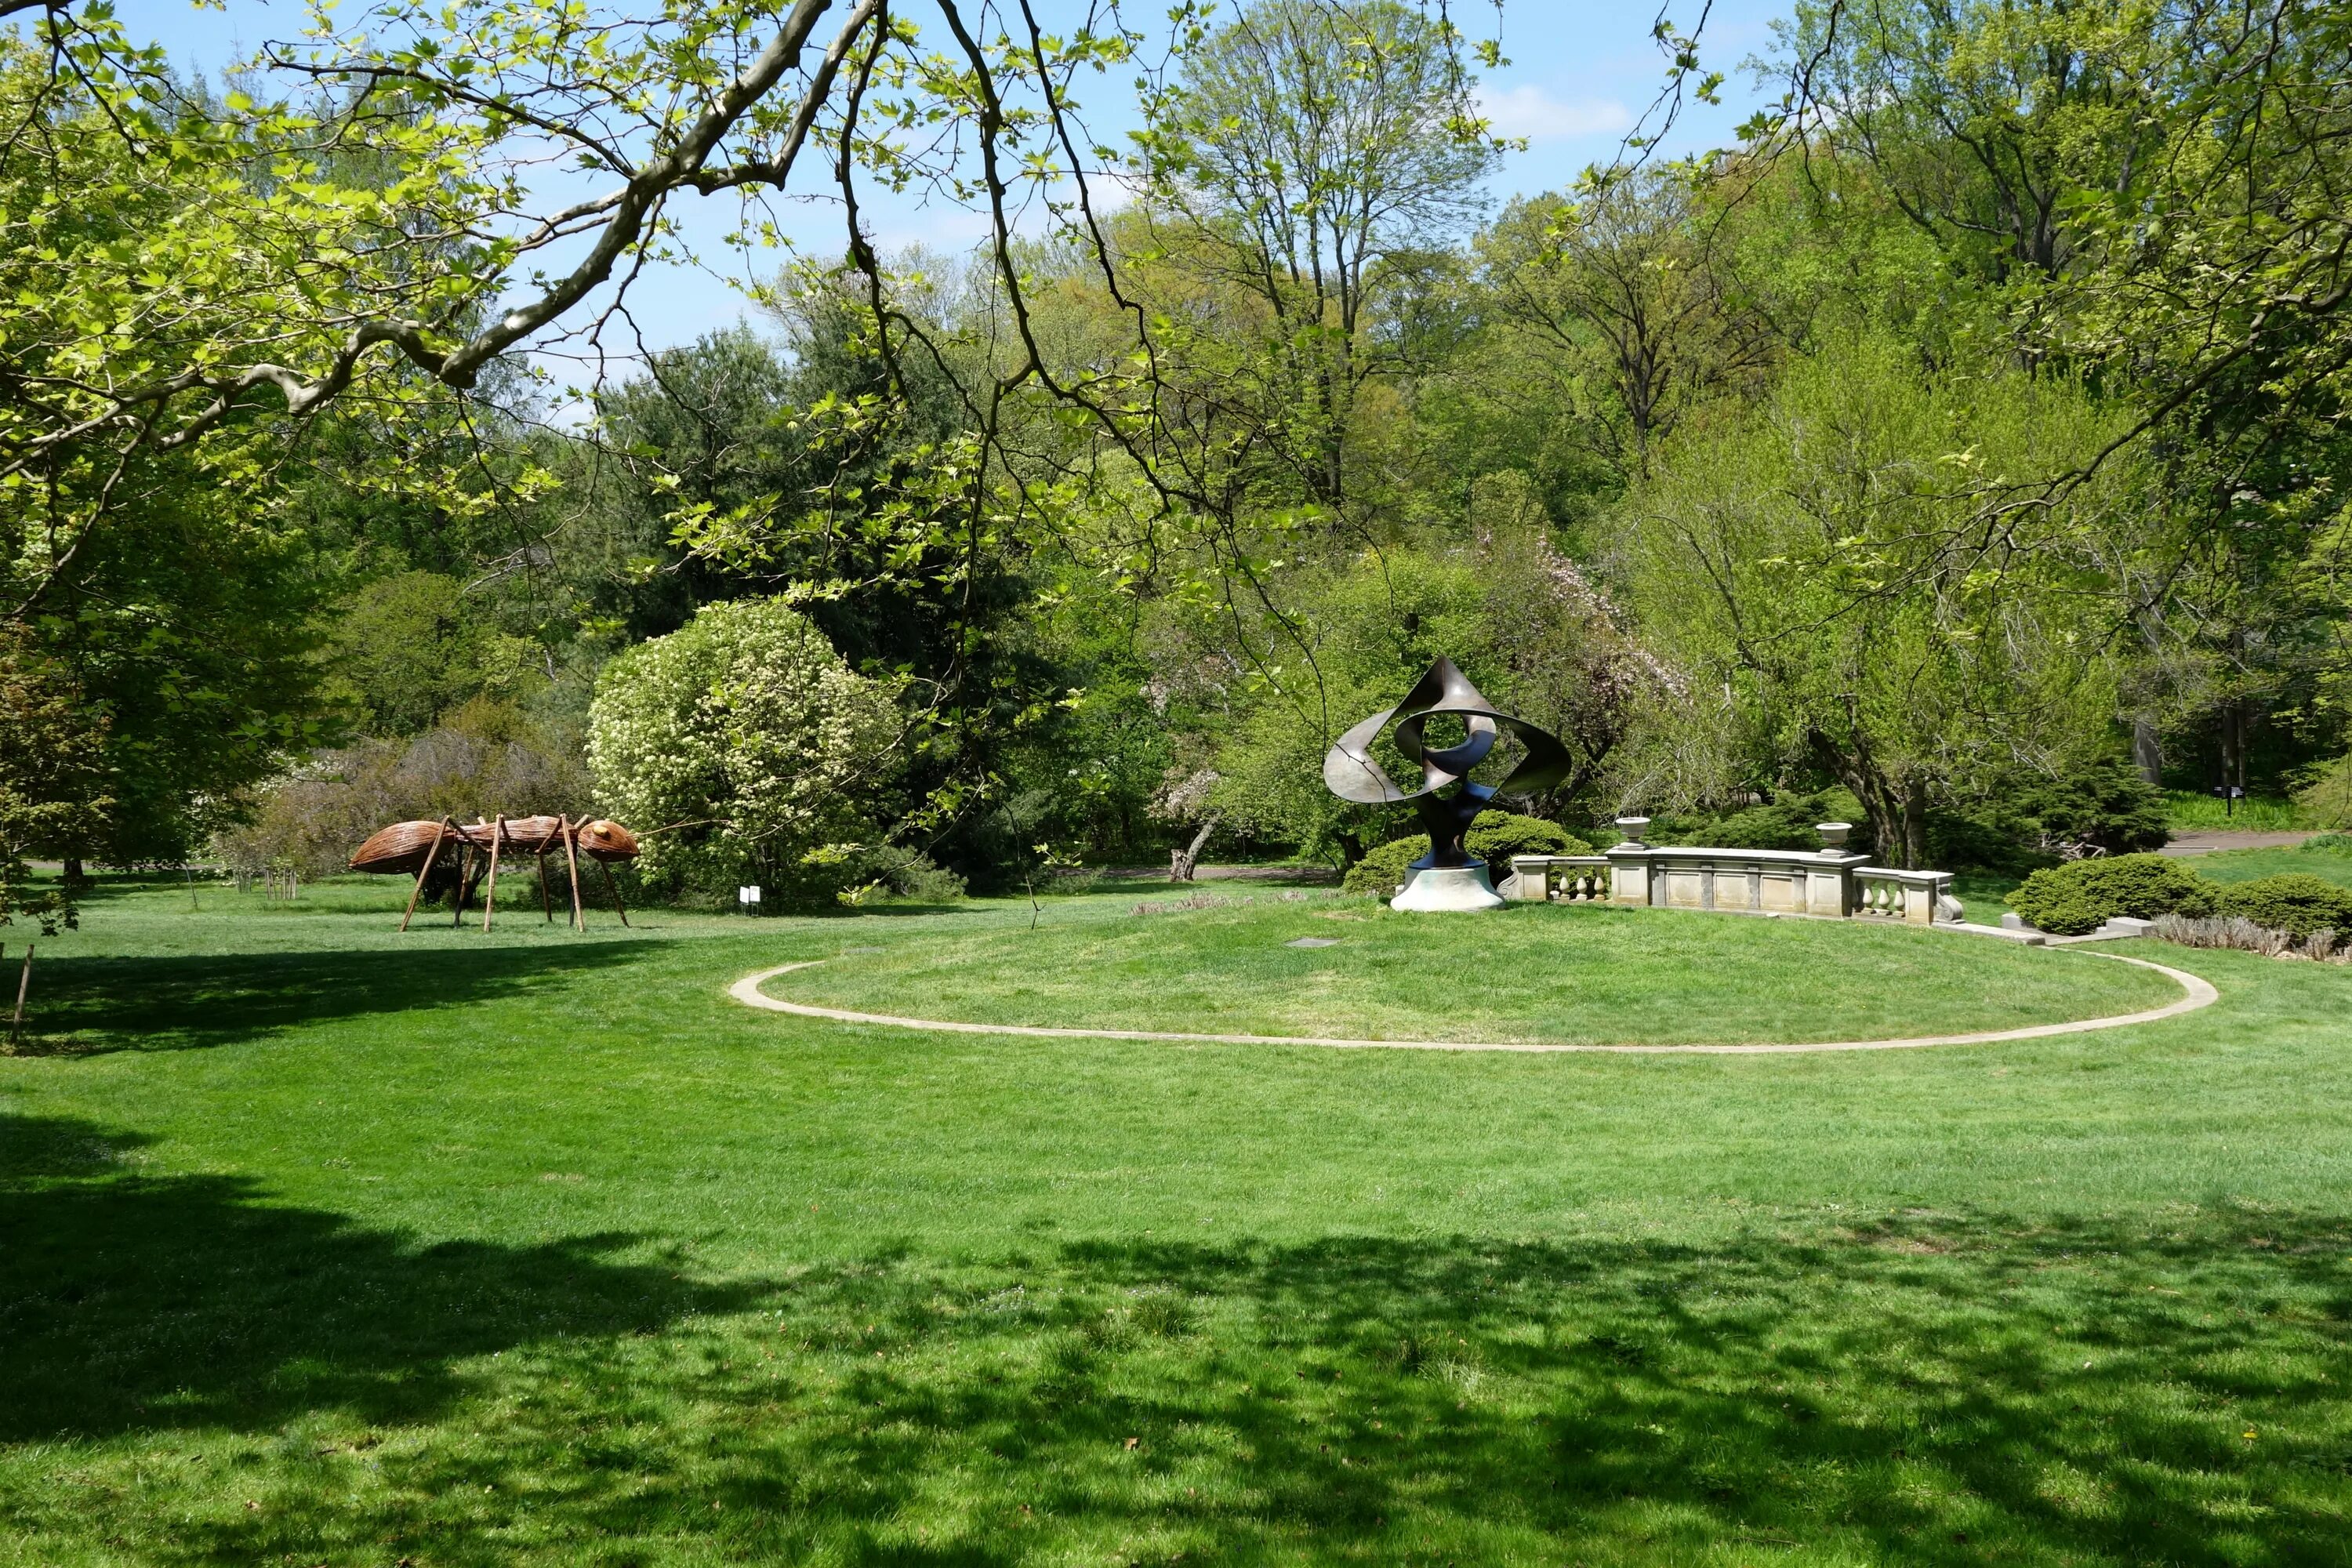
2155	198
1520	619
356	222
1847	561
189	640
744	749
1312	151
52	777
1632	316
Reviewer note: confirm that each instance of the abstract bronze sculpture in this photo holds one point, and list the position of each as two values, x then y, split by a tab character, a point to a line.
417	847
1448	877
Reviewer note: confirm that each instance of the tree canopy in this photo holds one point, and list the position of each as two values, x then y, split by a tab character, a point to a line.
1972	423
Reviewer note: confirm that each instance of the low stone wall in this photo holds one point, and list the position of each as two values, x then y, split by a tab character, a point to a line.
1832	882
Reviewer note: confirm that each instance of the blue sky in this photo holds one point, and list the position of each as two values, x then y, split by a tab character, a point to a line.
1580	71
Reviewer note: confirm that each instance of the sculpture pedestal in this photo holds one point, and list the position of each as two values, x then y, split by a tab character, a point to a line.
1441	888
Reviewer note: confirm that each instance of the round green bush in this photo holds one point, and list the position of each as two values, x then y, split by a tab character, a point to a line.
1496	835
749	735
2296	903
1383	869
2080	897
1493	837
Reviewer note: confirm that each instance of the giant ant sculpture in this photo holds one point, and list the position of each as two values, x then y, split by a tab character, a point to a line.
417	847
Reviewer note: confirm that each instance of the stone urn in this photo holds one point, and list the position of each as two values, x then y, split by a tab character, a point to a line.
1833	834
1632	827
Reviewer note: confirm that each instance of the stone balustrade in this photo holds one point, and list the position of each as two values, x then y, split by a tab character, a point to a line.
1916	898
1829	882
1557	879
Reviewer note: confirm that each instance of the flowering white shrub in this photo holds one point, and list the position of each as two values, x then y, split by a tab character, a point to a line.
746	737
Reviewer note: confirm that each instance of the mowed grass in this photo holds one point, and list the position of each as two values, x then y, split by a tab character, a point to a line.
322	1245
2245	864
1569	975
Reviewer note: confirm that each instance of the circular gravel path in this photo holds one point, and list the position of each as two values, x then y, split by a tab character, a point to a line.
2197	993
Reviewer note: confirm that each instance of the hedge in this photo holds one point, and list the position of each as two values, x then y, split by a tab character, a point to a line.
2080	897
2295	902
1493	837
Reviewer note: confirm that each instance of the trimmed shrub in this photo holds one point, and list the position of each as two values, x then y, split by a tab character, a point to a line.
1493	837
1380	871
1496	835
2296	903
2080	897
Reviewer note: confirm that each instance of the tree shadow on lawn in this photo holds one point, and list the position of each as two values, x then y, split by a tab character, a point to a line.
133	1304
95	1006
1911	1387
1942	1389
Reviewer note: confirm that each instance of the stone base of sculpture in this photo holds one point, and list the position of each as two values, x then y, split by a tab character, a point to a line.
1437	888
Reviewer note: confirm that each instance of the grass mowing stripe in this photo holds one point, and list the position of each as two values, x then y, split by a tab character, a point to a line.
2196	993
319	1245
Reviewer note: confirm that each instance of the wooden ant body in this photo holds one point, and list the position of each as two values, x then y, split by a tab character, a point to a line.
417	847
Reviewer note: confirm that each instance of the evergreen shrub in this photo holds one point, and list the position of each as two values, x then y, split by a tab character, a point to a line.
1493	837
1381	870
1496	835
2295	902
2082	895
2105	804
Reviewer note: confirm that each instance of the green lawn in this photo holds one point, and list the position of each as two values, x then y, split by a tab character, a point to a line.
2188	811
1562	974
2245	864
323	1245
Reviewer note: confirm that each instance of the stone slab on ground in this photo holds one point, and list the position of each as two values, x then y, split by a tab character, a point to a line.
2114	927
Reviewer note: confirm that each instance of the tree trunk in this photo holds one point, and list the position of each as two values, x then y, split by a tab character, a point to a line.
74	873
1914	826
1182	861
2147	749
1890	825
2233	744
1351	851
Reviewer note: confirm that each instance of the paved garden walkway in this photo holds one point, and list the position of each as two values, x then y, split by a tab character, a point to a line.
2196	994
2214	842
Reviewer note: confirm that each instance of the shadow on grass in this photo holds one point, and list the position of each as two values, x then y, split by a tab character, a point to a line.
131	1303
1921	1388
1936	1389
90	1005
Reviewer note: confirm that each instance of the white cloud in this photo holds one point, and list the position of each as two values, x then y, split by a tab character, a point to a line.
1528	111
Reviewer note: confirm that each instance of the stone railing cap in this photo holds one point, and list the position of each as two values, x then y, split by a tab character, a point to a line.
1826	857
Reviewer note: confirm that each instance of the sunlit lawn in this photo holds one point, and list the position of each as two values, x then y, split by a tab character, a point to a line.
2189	811
323	1245
1580	974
